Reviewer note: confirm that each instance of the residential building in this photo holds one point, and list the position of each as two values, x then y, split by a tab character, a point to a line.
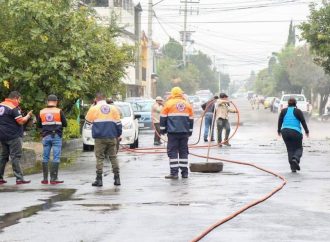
128	18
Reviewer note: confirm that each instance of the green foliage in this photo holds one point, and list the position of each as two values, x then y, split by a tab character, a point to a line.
173	50
198	73
316	31
170	75
53	46
224	82
72	130
292	35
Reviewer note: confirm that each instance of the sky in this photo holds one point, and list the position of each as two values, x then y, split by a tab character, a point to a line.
239	35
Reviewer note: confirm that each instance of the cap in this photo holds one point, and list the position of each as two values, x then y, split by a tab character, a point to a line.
223	95
176	91
52	97
159	98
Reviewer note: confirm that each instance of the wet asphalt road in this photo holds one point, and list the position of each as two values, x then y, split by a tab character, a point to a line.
149	208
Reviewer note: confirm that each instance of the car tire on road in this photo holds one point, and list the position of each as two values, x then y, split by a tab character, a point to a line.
88	147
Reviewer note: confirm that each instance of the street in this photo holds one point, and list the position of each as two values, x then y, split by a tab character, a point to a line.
147	207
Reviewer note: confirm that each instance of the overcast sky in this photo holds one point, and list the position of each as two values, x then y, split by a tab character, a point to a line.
230	29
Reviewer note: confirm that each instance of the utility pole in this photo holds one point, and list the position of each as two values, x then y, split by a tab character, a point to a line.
184	32
184	44
110	12
149	52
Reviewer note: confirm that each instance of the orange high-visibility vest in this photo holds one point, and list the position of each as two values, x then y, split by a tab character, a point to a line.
51	116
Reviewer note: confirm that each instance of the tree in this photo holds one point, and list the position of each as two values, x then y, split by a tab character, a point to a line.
198	74
54	46
207	77
249	83
316	31
173	50
292	35
224	82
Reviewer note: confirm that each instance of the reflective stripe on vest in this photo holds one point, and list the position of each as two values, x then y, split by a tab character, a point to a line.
50	116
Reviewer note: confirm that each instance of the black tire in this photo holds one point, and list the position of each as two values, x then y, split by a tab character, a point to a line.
135	144
88	147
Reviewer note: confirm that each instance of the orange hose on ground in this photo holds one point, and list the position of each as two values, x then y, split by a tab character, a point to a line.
246	207
161	150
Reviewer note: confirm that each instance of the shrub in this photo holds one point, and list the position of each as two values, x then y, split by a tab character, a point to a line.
72	130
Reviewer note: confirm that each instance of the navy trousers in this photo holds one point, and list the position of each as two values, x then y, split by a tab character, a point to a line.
177	151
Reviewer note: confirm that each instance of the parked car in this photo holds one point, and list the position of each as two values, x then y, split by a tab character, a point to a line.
143	107
129	120
196	103
204	95
302	104
268	102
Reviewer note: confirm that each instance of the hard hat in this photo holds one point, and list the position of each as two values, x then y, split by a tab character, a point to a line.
159	98
52	97
176	91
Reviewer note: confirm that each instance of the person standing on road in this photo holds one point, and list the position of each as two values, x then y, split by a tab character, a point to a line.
208	108
156	109
51	120
289	126
176	119
106	131
11	136
222	114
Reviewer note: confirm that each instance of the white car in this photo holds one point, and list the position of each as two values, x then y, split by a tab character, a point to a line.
196	104
302	104
129	120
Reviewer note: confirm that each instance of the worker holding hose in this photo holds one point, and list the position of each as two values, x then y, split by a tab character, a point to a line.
176	119
289	126
156	109
222	114
208	108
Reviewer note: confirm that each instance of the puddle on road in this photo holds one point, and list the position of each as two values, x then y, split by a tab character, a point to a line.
10	219
103	207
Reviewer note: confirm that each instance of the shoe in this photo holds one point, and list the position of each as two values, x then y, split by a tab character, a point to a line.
219	144
227	143
117	180
172	177
293	171
212	139
53	174
2	181
295	164
57	181
185	176
205	140
98	181
157	143
45	173
19	182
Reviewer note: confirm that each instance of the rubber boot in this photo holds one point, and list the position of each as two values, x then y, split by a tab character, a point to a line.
98	181
2	172
18	174
53	174
116	179
45	172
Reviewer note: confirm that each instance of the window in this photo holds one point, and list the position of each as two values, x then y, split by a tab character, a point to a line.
124	110
117	3
97	3
142	106
299	98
